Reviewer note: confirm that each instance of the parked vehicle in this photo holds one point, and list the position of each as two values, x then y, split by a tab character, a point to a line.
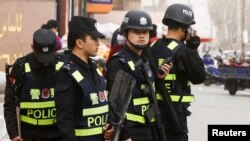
212	72
213	76
236	78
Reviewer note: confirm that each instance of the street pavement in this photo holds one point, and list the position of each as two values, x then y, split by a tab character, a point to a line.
2	123
213	105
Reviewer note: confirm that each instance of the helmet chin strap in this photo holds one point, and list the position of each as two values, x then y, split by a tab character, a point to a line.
137	46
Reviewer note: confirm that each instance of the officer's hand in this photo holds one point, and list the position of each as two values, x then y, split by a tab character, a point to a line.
128	139
193	42
17	138
165	69
108	132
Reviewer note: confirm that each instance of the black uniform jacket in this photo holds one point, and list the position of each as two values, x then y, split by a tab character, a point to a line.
69	95
187	66
114	65
16	79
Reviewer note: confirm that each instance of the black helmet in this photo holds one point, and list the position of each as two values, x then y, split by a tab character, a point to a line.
179	13
136	19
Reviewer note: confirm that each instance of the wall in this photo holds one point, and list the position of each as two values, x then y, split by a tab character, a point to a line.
18	20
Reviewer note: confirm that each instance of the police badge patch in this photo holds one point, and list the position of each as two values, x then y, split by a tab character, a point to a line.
45	93
101	96
45	49
143	21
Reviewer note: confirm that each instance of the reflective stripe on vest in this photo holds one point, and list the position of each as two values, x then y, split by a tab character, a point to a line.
170	77
176	98
89	132
141	101
59	65
137	118
98	71
27	66
37	105
37	121
152	43
172	45
131	65
77	75
95	111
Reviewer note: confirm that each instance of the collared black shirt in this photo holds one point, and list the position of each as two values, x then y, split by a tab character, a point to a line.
69	94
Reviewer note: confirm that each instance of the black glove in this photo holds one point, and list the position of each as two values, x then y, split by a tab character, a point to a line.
193	42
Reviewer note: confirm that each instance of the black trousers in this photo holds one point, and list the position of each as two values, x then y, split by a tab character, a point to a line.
177	137
43	139
144	134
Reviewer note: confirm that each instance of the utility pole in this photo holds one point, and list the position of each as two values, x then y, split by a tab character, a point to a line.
61	16
84	5
189	4
243	28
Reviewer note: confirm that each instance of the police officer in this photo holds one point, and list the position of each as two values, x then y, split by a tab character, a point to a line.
135	28
30	86
81	95
187	65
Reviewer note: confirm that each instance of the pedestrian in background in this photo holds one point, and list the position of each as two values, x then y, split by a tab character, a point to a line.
117	42
53	26
187	66
81	95
30	87
153	34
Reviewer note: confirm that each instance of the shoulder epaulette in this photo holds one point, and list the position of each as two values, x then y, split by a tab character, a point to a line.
20	60
59	56
68	65
122	57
